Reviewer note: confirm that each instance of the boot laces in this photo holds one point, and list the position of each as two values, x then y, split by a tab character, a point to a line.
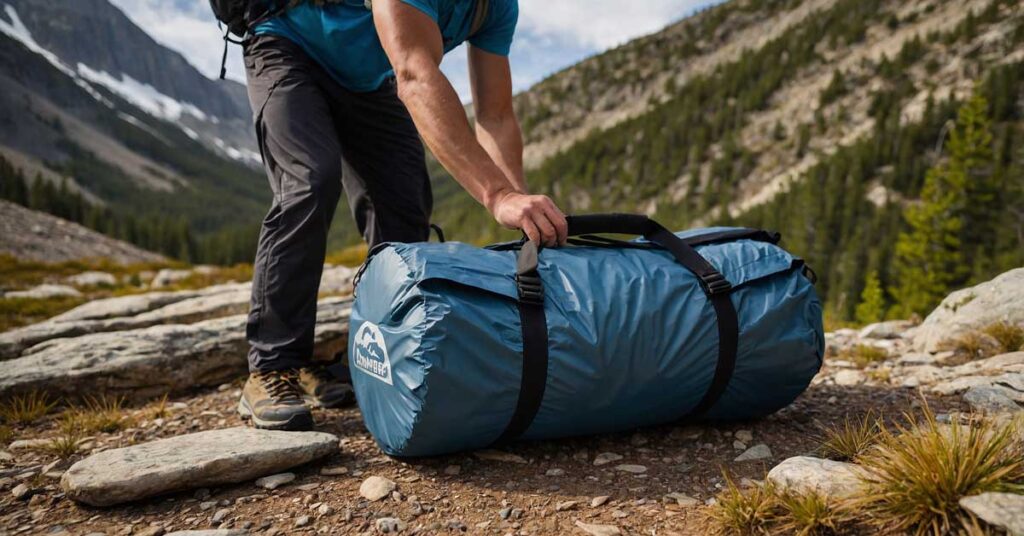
280	385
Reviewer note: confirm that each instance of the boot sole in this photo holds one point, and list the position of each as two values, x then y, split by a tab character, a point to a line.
300	422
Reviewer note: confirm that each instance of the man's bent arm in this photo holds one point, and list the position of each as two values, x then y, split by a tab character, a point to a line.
497	128
413	44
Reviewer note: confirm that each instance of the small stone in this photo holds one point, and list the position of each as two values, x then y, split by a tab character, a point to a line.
565	505
21	491
453	470
745	436
630	468
505	512
390	525
275	481
599	501
308	487
757	452
207	505
682	499
324	510
376	488
220	515
1004	510
849	377
606	458
499	456
29	444
739	445
598	530
619	514
333	471
302	521
555	472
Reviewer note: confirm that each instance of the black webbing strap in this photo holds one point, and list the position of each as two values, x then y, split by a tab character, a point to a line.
535	344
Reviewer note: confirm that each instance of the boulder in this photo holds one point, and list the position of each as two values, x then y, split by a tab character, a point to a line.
169	276
970	309
806	474
991	399
92	279
1003	510
204	459
41	292
125	305
155	360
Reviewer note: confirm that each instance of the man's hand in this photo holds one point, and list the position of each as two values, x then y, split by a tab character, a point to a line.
535	215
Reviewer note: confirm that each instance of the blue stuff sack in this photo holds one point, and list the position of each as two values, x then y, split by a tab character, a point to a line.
454	347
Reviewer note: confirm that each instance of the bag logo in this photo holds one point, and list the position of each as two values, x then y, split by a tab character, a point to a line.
371	354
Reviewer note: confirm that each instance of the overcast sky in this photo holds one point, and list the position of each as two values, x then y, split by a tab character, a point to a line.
551	34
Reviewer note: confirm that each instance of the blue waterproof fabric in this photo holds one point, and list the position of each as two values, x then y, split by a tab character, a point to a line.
435	345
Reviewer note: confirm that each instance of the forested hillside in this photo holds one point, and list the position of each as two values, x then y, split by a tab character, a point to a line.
827	133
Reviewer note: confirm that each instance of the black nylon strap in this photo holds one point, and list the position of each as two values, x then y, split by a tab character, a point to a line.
535	344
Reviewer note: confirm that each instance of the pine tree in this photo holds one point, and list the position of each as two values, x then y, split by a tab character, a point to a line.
930	257
872	303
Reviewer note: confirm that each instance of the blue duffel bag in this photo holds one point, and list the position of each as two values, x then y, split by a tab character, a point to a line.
454	347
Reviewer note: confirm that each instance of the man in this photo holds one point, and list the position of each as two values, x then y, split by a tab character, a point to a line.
342	92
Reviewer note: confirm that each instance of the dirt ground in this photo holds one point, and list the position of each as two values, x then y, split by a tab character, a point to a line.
460	493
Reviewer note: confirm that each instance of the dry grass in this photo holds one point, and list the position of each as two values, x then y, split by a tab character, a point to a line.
807	514
351	256
17	312
744	511
5	434
863	355
26	409
1009	336
103	414
850	439
159	409
919	471
65	444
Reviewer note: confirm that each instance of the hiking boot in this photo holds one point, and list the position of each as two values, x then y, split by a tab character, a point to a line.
322	389
272	401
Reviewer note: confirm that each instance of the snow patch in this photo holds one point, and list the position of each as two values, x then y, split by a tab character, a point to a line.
142	95
241	155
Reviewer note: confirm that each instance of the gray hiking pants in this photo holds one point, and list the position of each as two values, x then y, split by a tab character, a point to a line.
316	138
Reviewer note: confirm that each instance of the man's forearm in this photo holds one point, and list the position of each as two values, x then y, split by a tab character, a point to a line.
441	120
502	139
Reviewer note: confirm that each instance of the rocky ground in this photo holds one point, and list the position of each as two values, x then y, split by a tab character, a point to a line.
186	462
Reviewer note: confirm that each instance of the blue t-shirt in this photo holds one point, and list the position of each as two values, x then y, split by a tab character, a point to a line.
341	36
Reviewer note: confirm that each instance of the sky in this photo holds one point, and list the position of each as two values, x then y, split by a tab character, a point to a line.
551	34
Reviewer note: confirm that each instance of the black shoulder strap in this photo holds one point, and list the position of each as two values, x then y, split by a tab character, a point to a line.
479	16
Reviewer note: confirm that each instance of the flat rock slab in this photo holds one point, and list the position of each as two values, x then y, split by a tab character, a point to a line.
200	460
1004	510
152	361
806	474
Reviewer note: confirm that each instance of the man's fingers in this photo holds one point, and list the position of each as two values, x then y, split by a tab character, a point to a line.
531	231
547	230
557	219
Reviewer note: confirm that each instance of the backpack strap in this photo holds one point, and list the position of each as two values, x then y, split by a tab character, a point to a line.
479	16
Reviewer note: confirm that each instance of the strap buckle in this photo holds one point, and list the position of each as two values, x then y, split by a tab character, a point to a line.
531	288
715	283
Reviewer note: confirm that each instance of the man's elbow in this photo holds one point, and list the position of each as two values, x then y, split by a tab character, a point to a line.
412	78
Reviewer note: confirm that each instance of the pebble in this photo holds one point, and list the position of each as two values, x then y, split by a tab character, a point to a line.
21	491
555	472
453	470
325	510
757	452
333	471
29	444
566	505
682	499
308	487
745	436
302	521
739	445
598	530
504	513
376	488
219	515
499	456
606	458
275	481
207	505
599	501
630	468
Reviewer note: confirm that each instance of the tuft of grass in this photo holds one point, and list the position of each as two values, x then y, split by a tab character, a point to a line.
864	354
101	414
850	439
973	345
159	409
65	444
808	514
744	511
26	409
1009	336
5	434
918	472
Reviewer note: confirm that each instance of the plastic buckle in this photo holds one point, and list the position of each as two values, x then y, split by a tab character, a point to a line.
715	283
531	288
